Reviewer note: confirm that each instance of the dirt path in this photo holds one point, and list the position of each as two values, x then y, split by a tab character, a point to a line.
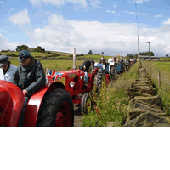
77	116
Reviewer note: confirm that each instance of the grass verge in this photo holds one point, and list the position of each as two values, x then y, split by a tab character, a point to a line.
112	102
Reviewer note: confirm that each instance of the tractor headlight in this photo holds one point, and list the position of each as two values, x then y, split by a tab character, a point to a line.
72	84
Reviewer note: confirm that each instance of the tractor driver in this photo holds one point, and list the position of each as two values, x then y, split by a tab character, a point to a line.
85	67
7	70
29	77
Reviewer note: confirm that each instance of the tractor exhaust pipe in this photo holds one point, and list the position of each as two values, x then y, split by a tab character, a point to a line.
74	59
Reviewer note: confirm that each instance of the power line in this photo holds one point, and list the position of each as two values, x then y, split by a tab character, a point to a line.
138	28
137	16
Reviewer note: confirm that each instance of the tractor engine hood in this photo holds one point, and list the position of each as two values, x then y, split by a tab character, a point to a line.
11	102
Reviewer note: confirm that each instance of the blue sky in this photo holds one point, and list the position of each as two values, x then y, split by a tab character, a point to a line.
108	26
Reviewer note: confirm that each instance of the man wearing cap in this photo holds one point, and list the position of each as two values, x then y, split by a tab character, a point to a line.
29	77
86	66
7	70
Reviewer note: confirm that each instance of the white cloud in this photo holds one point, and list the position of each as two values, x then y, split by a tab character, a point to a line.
35	2
134	13
158	15
167	22
138	1
129	1
123	37
114	6
48	12
65	35
113	12
60	2
131	12
5	44
94	3
143	14
11	10
21	18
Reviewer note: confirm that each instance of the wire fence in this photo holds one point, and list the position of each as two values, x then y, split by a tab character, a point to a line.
157	75
162	80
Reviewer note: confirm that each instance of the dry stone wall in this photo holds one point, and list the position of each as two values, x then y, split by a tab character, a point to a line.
145	106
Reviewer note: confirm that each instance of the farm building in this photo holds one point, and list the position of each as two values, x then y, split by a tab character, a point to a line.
146	57
31	49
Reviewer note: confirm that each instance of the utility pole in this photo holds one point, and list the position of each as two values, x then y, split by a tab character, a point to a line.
149	50
138	47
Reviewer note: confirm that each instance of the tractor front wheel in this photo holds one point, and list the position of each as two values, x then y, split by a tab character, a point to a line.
56	109
87	103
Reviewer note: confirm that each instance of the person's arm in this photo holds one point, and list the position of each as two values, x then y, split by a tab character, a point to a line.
41	80
16	78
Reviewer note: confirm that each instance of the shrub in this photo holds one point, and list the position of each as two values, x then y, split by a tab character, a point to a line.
13	55
48	52
37	56
55	55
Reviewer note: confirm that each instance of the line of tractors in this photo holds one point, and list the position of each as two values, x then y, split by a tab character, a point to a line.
53	105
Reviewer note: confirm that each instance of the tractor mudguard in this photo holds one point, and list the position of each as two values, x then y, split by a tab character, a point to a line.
11	101
118	68
98	65
35	103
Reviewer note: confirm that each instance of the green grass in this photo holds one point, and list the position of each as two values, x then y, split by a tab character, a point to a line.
165	58
112	102
164	66
55	65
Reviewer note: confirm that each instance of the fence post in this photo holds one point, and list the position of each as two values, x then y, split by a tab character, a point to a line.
159	78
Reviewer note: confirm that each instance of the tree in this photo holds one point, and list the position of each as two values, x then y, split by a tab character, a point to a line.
18	48
24	47
39	49
21	47
90	52
130	56
167	55
147	53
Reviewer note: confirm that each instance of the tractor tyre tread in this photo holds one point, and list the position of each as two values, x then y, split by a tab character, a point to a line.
50	106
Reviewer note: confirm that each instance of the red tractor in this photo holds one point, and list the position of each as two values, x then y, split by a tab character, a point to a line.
49	106
73	82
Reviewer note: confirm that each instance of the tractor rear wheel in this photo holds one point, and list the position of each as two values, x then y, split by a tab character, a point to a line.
98	80
87	103
113	72
56	109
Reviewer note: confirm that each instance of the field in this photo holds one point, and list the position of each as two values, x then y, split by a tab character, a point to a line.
62	55
164	89
55	65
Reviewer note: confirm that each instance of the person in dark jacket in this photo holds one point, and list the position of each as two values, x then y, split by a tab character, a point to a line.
102	60
85	67
29	77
